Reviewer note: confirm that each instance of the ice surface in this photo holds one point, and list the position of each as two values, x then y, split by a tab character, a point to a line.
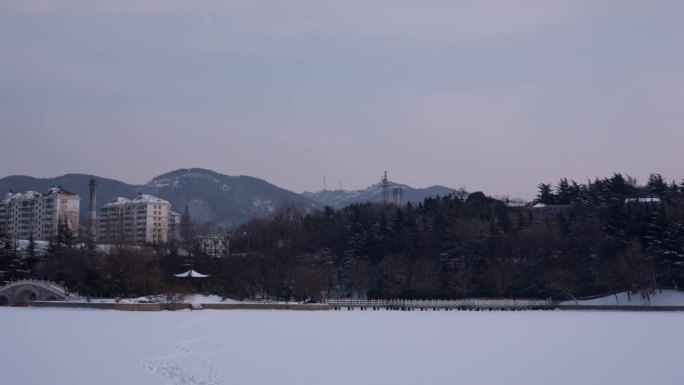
78	347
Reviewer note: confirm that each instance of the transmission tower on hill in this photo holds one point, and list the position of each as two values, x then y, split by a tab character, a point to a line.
398	194
384	189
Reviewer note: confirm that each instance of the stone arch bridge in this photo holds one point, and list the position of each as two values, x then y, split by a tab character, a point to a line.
29	290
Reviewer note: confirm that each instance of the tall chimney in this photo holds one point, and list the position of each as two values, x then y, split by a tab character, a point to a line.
92	210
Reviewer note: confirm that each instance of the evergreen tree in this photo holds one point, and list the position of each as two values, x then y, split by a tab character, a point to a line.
187	229
62	241
656	186
31	248
12	264
545	194
5	259
564	192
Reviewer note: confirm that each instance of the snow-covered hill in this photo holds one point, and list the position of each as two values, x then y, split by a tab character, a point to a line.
342	198
221	199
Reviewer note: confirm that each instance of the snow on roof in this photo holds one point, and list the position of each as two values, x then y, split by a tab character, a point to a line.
59	191
191	273
142	198
11	196
147	198
30	194
118	201
642	200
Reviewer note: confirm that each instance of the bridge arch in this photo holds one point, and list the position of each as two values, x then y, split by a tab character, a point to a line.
28	290
26	294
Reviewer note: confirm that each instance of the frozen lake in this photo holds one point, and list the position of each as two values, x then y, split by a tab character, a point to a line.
85	347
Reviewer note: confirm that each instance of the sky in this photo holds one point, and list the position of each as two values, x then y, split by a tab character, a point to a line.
496	96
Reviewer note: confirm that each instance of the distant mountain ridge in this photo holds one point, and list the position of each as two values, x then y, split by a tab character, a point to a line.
221	199
211	197
342	198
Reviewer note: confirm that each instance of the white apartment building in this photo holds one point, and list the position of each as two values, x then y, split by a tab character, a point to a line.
145	219
30	213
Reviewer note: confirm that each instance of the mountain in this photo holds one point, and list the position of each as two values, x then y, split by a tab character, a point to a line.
211	197
342	198
221	199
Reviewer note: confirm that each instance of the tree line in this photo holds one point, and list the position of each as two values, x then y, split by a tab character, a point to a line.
588	238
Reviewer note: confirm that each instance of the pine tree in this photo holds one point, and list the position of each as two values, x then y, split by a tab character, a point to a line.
656	186
19	264
564	192
673	189
545	194
32	257
13	264
5	258
62	241
187	230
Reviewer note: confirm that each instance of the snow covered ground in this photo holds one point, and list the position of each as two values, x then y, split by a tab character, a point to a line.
193	298
659	298
84	347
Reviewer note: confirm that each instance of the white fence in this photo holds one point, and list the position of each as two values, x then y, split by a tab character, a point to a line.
434	303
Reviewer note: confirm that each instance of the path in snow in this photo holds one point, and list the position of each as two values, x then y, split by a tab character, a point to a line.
195	349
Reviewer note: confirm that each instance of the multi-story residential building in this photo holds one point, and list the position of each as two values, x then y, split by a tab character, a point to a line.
30	213
174	226
142	220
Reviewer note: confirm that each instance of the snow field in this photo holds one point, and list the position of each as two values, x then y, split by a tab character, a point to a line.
658	298
80	346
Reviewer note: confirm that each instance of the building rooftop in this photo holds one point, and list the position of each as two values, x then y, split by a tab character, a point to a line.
147	198
142	198
30	194
59	190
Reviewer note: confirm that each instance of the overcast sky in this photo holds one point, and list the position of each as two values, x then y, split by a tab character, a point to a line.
496	96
